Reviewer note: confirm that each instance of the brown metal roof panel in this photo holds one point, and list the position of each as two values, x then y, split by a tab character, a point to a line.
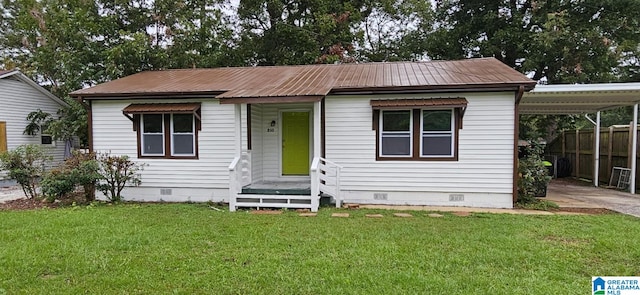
311	79
419	102
272	99
2	72
141	108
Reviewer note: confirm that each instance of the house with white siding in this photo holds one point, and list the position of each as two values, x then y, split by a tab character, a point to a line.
20	96
417	133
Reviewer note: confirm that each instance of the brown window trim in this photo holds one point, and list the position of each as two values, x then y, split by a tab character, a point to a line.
416	137
167	136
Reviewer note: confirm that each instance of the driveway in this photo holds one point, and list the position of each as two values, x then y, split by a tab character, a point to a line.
574	194
10	192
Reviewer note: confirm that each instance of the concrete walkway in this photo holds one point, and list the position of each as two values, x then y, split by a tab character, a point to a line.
572	194
9	193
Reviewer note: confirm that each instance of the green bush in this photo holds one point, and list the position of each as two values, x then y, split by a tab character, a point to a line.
533	175
79	170
538	204
115	173
26	165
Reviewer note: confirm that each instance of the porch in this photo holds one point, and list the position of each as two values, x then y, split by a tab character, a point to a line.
278	161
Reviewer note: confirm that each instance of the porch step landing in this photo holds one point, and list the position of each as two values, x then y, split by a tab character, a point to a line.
274	201
293	195
278	188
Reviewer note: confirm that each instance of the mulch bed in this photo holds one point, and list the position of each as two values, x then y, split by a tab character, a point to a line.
27	204
30	204
595	211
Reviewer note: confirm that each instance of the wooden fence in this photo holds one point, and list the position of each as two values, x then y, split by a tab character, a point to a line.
578	146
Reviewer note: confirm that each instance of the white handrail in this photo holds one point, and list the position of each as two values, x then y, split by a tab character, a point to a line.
233	183
234	164
331	162
315	163
326	182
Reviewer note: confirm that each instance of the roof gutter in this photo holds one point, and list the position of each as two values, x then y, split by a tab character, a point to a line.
146	95
433	89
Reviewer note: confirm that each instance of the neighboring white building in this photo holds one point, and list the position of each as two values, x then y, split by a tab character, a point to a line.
417	133
20	96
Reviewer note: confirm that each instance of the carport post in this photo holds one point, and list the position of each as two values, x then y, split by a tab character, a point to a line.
634	149
596	148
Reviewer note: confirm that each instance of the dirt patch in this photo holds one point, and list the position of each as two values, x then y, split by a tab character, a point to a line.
595	211
27	204
30	204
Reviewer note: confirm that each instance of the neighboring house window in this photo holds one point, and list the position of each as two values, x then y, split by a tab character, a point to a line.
46	139
166	130
426	130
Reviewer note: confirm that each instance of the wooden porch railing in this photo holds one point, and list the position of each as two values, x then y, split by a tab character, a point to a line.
325	179
239	176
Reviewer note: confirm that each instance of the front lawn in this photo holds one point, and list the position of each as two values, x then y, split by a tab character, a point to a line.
192	249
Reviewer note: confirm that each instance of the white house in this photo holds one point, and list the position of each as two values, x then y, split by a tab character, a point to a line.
418	133
20	96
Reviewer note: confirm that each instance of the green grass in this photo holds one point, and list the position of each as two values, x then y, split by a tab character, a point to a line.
191	249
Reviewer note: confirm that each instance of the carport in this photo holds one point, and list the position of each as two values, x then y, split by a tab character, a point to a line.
567	99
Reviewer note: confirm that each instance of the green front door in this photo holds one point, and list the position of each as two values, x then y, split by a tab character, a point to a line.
295	143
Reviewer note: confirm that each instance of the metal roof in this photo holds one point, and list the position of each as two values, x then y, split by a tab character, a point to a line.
3	72
313	80
161	108
419	102
578	98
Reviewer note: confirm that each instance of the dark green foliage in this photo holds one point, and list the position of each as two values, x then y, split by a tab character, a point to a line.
538	204
115	173
300	32
38	121
26	165
533	176
560	41
71	122
79	170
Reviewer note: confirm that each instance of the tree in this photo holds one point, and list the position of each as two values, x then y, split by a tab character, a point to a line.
390	25
277	32
557	41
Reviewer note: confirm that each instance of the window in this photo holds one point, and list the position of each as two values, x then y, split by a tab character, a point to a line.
418	129
152	139
396	133
46	139
437	133
182	135
160	133
166	130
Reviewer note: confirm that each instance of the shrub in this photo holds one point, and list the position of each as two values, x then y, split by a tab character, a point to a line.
80	169
25	164
533	175
537	204
115	173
